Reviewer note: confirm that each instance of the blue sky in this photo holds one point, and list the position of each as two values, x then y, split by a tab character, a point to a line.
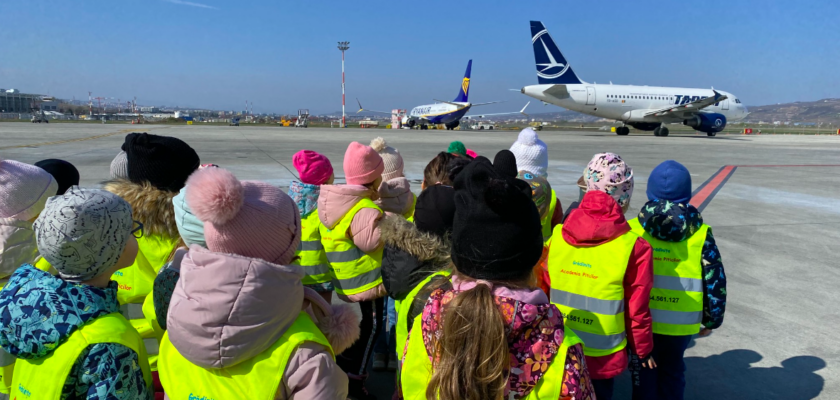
282	55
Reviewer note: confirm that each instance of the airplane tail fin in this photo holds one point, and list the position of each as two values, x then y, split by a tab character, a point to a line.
464	93
552	67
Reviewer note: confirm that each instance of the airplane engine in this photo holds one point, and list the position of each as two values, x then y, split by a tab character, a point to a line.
709	123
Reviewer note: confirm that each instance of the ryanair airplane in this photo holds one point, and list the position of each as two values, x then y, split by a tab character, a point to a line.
647	108
448	113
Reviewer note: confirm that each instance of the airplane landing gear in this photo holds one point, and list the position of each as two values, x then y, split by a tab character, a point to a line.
711	134
622	131
660	131
424	127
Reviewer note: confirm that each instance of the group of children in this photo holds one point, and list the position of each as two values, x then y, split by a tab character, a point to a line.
178	280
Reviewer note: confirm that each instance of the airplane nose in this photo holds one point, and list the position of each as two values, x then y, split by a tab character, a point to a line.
522	90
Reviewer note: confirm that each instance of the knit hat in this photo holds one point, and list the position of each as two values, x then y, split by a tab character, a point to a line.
531	153
458	148
249	218
190	227
83	232
166	162
24	189
670	181
314	168
497	233
435	210
608	173
119	166
390	157
540	191
505	163
362	164
65	174
471	153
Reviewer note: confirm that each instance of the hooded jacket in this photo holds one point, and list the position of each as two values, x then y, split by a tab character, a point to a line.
598	220
227	309
40	313
409	257
395	197
534	329
333	203
673	222
17	246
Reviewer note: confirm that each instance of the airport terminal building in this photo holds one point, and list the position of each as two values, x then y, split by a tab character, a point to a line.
13	101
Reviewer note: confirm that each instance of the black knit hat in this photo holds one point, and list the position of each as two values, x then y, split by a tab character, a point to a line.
435	210
165	162
505	163
497	233
65	174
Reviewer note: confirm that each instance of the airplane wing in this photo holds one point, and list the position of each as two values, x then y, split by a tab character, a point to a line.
522	111
373	111
448	102
689	108
484	104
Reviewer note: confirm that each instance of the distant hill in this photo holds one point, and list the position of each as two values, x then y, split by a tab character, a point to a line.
826	111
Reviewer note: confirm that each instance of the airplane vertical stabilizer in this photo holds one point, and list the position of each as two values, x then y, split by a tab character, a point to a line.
464	92
552	67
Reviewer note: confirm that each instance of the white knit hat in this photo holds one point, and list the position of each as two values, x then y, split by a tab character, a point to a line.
391	157
24	190
531	153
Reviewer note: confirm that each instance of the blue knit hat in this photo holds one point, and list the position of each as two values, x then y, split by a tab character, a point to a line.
670	181
189	226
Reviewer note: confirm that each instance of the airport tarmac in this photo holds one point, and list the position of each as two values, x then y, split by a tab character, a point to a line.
775	212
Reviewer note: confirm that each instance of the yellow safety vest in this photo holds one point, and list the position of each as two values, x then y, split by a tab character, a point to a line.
676	300
546	222
416	370
409	216
587	285
137	281
404	306
313	258
256	379
44	378
354	271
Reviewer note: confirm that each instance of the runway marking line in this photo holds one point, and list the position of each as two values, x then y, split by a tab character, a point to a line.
703	195
75	140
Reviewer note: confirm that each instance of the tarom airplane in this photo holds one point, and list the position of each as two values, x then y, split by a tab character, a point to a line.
448	113
646	108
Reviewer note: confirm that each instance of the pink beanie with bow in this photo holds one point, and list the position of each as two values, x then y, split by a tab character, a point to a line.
362	164
251	219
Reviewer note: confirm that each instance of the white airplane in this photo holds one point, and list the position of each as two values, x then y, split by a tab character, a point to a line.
647	108
449	113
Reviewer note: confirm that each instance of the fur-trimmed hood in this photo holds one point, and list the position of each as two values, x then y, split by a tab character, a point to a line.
149	205
410	255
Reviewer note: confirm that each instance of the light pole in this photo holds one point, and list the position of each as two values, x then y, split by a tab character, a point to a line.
343	46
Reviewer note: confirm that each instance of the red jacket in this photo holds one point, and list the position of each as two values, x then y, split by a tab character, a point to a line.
597	220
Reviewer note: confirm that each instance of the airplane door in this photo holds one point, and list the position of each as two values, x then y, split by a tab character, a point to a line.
725	105
590	95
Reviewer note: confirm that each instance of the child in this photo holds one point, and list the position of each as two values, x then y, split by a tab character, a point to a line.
489	333
531	155
65	174
671	224
254	322
24	190
395	191
352	240
395	197
88	348
541	196
596	241
314	170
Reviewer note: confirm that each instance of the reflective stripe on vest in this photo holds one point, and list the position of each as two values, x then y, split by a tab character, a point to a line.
44	378
354	271
587	285
676	300
546	222
256	378
404	306
313	258
416	369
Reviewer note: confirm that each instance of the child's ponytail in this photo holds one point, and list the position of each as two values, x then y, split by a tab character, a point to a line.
471	357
